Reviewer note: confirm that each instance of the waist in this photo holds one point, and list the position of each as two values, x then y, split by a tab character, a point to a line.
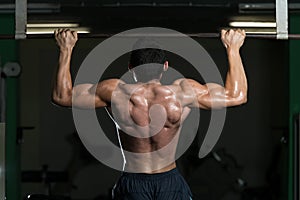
151	176
147	167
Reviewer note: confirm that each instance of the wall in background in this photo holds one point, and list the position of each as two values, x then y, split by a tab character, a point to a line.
251	136
294	107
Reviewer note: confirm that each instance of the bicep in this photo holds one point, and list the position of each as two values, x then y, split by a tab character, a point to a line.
84	96
206	96
213	98
216	97
191	92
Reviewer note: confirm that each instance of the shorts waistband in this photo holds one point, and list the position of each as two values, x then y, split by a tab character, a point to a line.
151	176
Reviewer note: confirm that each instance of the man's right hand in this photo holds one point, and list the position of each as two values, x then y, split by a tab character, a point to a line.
233	39
65	38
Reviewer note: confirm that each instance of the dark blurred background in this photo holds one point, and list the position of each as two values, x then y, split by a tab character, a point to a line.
251	158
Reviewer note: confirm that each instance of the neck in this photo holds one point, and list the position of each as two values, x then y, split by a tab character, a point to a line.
157	81
154	81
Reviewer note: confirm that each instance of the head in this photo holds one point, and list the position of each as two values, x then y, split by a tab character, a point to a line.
145	63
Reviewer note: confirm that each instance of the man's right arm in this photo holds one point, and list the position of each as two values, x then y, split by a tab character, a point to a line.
212	95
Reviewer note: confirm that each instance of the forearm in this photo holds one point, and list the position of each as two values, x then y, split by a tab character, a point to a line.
236	82
62	89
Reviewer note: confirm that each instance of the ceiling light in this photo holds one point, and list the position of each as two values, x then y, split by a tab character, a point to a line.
53	25
253	24
51	30
260	31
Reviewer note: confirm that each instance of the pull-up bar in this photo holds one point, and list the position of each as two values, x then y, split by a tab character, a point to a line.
193	35
281	27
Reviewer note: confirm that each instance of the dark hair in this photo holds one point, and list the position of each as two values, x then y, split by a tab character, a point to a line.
141	56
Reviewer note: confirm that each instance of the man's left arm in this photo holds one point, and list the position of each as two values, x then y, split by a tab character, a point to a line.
82	95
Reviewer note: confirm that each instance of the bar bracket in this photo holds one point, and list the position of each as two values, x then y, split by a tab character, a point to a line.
20	19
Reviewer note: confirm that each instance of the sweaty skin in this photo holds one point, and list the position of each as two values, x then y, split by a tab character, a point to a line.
149	121
150	115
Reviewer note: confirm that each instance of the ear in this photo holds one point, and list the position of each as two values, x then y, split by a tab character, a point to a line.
166	66
129	67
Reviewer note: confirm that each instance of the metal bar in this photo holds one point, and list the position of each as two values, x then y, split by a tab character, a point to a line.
158	4
2	160
282	19
106	35
21	19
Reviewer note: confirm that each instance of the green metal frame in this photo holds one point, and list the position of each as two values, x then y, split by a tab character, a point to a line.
294	85
8	53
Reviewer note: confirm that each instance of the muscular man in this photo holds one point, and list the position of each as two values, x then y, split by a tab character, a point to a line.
150	115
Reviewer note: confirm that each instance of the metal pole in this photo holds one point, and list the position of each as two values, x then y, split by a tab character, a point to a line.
106	35
2	160
296	156
282	19
21	19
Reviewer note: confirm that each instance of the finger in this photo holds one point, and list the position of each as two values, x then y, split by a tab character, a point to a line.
244	32
70	33
60	30
74	33
55	33
63	31
63	34
58	33
223	33
241	32
66	30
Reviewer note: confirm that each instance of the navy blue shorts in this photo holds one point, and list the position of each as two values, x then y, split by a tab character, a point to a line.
161	186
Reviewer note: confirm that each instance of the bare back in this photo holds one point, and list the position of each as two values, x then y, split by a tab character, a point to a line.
150	118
